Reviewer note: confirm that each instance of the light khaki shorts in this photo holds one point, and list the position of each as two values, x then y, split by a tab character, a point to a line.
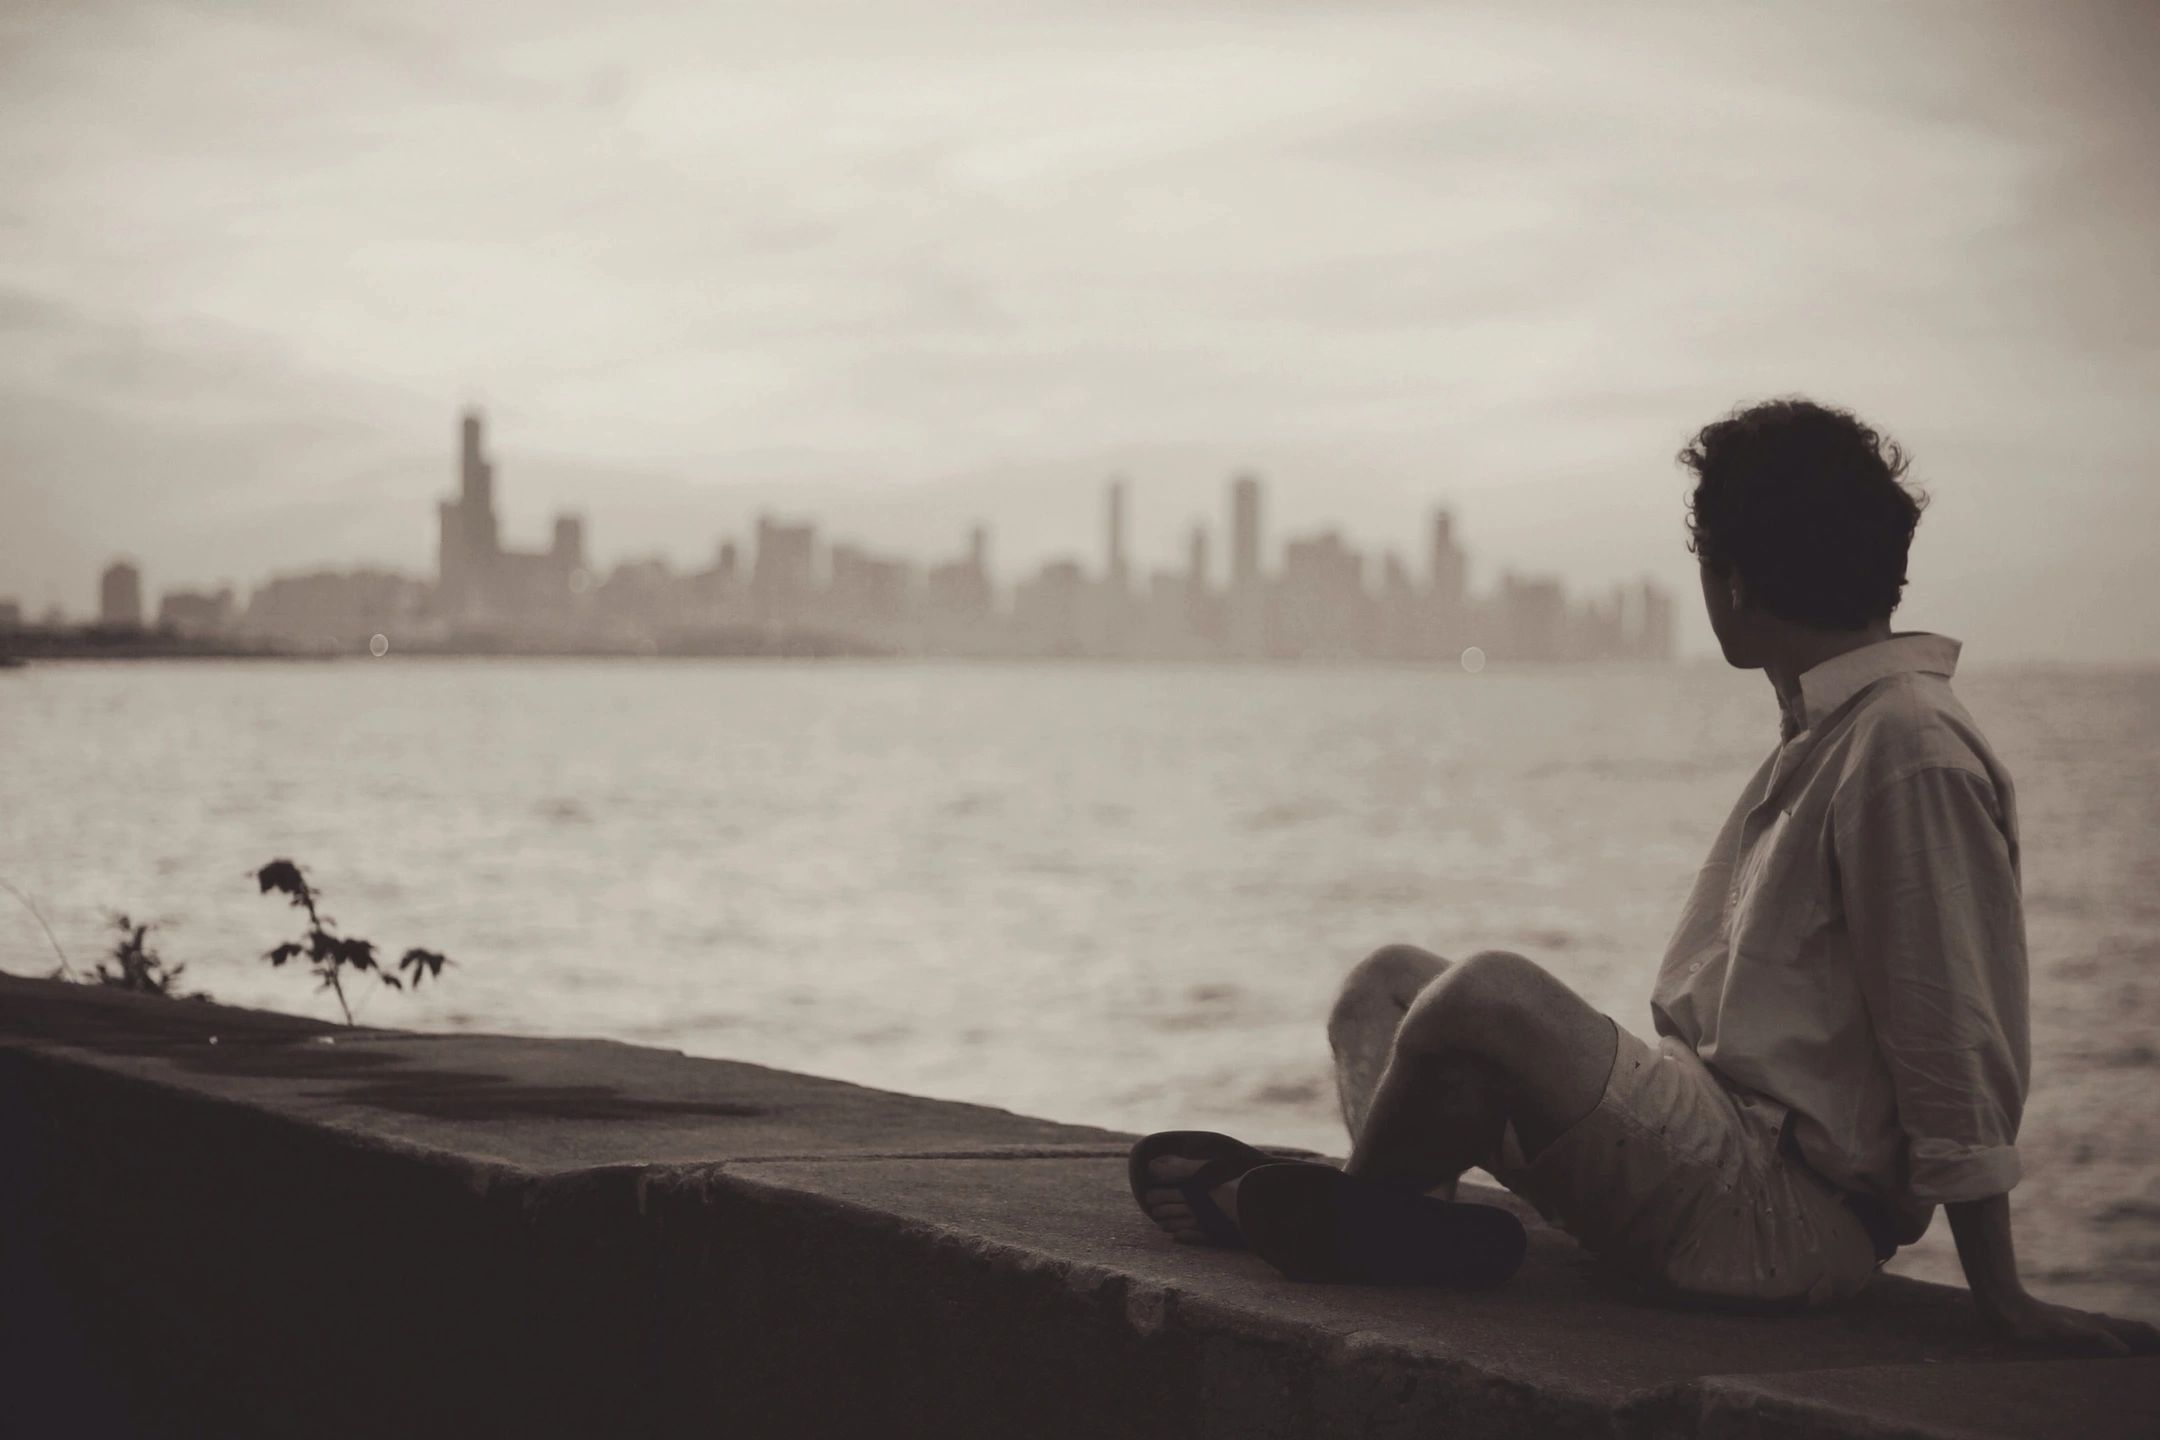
1677	1182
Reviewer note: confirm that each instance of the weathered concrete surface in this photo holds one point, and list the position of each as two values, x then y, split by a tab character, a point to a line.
542	1107
2119	1400
1556	1349
417	1235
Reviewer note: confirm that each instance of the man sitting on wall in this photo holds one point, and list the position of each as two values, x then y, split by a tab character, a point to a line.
1841	1017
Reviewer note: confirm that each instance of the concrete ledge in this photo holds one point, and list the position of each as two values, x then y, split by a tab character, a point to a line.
308	1230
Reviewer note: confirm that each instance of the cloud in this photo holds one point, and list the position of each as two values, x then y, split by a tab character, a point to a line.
1521	250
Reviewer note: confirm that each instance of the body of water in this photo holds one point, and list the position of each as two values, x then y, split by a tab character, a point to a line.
1120	895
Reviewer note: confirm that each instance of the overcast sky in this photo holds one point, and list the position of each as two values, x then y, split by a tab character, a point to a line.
898	265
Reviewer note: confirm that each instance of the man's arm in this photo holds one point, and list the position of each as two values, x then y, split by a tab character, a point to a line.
1938	935
1982	1228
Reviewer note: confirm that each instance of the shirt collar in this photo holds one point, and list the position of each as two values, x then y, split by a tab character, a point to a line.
1830	684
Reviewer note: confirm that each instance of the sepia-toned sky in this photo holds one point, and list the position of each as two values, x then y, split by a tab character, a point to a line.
898	265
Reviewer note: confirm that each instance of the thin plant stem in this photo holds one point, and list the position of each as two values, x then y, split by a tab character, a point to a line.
340	991
65	968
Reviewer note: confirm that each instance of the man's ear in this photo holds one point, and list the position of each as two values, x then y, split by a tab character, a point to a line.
1737	589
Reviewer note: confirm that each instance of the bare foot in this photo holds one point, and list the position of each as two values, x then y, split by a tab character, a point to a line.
1167	1207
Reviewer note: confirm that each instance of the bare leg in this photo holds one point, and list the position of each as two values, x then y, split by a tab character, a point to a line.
1361	1031
1461	1098
1490	1039
1432	1060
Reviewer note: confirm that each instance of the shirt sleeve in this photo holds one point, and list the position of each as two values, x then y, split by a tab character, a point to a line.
1930	887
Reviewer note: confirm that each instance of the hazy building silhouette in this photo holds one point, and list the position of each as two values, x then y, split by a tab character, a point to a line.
1321	608
959	604
11	615
1247	598
1401	616
869	597
783	574
120	604
1050	610
1651	636
470	533
1447	591
960	589
1203	612
1165	625
477	580
196	613
641	601
1321	604
569	548
1114	565
716	593
1110	621
1531	619
335	610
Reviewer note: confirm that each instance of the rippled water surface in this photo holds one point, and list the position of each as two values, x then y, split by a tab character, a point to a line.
1118	895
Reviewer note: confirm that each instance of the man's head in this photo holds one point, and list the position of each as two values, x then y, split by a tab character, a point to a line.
1801	520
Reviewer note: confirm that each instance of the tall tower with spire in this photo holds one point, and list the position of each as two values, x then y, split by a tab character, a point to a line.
471	536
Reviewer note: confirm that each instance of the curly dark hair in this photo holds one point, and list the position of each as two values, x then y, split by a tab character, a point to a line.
1809	505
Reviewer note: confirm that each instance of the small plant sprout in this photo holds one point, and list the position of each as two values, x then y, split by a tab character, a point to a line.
139	966
328	953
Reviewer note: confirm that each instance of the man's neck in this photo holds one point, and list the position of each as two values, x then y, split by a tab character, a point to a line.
1800	649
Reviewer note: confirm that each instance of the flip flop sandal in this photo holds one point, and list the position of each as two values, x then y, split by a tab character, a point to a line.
1313	1222
1222	1159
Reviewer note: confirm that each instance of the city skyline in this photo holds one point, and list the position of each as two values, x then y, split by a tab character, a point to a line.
1058	490
1321	598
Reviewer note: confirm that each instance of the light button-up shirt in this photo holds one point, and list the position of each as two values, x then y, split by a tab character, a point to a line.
1851	961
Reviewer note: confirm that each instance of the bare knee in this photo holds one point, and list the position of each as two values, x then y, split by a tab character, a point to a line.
1384	983
1487	1004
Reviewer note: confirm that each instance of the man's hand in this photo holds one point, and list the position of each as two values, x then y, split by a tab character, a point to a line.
1982	1228
2074	1332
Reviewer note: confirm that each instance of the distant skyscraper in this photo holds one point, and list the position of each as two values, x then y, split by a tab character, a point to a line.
1248	591
1655	639
471	535
1115	568
195	612
569	551
868	595
1449	569
476	476
1049	612
1533	619
1445	628
476	578
333	610
1203	612
120	596
783	572
1245	532
1323	610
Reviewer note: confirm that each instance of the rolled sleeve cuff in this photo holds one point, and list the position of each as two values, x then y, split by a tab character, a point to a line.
1946	1171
